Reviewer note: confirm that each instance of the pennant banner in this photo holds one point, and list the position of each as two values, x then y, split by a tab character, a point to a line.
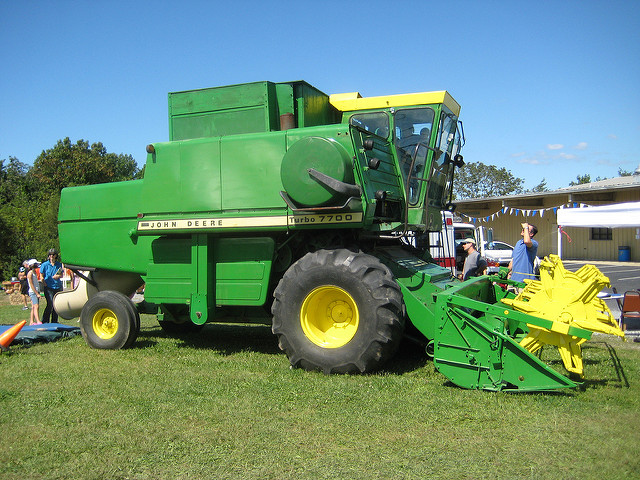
506	210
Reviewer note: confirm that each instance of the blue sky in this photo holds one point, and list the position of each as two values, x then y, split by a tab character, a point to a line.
548	89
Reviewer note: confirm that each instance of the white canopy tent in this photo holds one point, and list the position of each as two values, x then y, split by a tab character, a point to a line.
604	216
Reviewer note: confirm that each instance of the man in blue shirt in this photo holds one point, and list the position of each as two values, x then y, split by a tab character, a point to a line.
524	255
51	272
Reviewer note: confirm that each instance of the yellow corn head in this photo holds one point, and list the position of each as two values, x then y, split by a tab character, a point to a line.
567	299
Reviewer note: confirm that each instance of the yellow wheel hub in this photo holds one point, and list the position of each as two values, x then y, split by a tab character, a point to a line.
105	323
329	317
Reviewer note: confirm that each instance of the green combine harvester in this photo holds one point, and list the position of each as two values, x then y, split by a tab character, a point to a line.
279	204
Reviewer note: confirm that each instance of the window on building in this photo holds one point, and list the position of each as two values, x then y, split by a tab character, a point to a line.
600	234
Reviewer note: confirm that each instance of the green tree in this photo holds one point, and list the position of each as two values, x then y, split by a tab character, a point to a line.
68	164
14	201
541	187
581	180
477	180
13	175
624	173
29	197
586	178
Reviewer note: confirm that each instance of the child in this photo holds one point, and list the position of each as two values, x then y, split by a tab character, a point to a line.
24	285
34	292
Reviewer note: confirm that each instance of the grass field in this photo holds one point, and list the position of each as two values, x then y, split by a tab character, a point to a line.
225	404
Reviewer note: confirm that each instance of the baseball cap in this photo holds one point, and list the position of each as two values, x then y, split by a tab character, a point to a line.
32	262
469	240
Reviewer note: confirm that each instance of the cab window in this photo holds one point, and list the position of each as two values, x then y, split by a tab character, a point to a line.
376	123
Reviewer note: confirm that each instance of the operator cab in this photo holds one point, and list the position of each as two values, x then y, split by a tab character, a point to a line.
424	138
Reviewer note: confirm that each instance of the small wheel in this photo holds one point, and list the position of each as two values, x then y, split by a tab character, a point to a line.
109	321
338	311
133	335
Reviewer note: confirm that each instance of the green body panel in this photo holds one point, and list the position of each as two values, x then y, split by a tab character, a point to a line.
204	271
188	174
105	201
238	172
250	167
311	106
120	249
477	353
169	275
242	270
220	111
246	108
98	226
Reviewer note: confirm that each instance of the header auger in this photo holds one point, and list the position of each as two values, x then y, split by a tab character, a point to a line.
276	203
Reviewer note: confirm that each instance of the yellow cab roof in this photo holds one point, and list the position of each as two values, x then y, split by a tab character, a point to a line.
346	102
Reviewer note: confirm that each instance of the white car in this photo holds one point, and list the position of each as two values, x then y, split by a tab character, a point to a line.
497	254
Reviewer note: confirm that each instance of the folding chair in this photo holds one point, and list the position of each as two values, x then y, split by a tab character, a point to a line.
630	308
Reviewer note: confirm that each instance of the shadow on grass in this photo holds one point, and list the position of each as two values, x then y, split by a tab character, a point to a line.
620	379
227	339
617	366
409	357
565	392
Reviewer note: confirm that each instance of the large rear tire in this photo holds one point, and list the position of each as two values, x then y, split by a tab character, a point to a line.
109	321
338	311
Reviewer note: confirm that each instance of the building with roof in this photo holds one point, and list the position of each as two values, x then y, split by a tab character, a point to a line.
505	214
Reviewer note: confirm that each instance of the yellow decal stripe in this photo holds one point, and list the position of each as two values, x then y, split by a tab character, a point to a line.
213	223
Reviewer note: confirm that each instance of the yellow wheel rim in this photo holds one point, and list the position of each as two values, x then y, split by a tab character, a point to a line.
105	323
329	317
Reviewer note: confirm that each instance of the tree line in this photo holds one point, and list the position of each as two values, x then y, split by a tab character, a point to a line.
477	180
29	195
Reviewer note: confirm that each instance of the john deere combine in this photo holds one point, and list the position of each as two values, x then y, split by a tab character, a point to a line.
276	203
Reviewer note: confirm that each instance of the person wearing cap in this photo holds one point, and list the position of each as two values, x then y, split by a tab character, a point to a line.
51	272
34	292
524	255
474	264
24	284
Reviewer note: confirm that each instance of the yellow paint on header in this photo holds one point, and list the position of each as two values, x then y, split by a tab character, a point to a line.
347	102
